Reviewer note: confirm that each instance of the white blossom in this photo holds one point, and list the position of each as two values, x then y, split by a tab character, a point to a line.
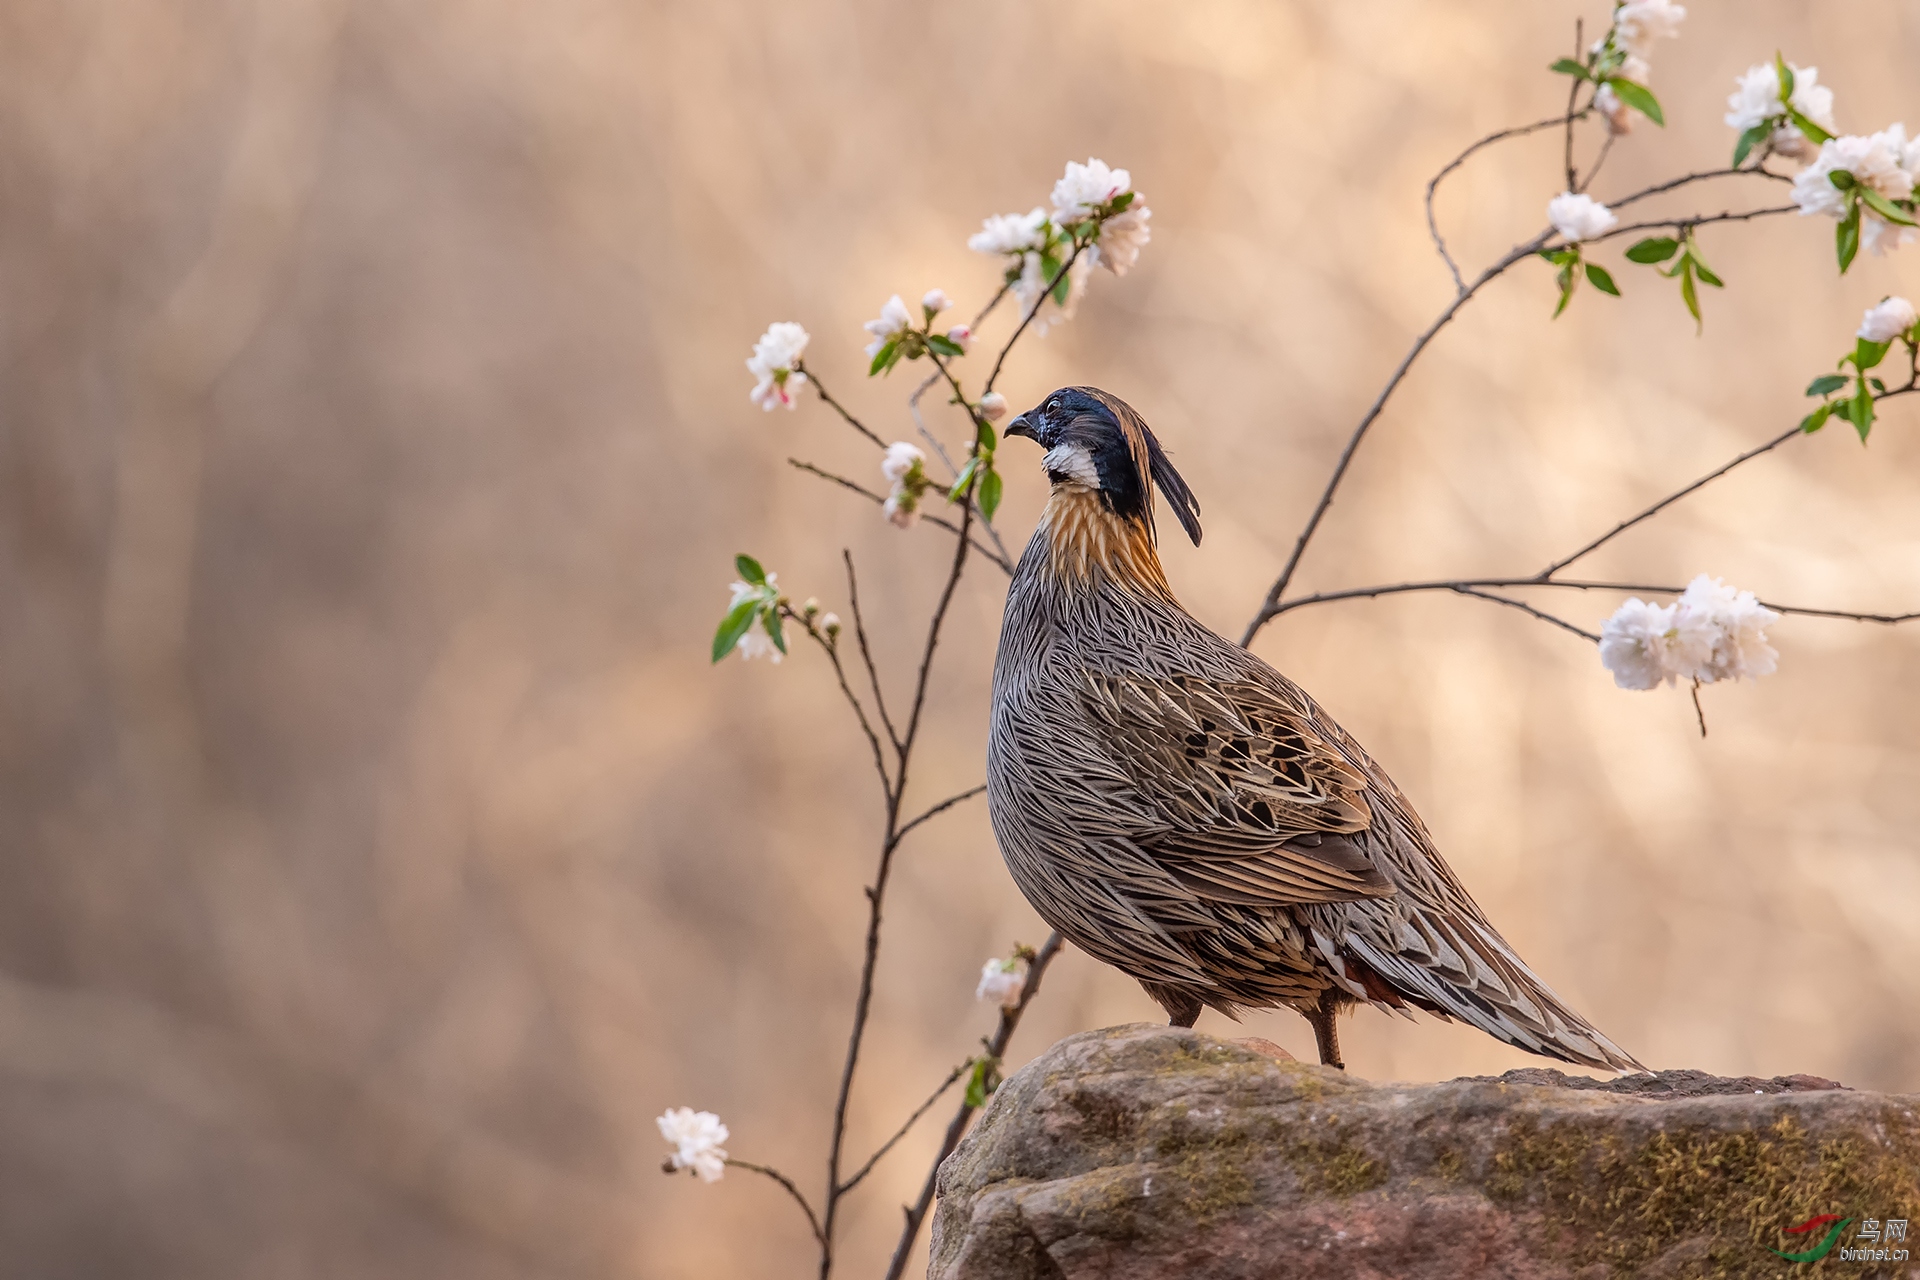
1638	23
1712	632
1121	236
1756	100
1001	981
901	508
1887	321
830	622
1738	625
994	405
961	336
746	591
1579	217
758	644
772	364
1885	161
1010	233
900	459
696	1137
894	320
935	301
1085	187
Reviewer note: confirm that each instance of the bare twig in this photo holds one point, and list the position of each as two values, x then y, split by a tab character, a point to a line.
1698	713
1462	586
1006	565
1027	319
1528	609
1573	93
785	1181
832	650
866	650
852	421
957	1128
942	807
911	1120
1433	226
1668	501
1694	220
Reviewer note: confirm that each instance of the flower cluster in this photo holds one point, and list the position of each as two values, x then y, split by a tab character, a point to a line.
1001	981
1712	632
903	466
1095	212
756	600
1867	183
1889	319
1579	217
775	362
1767	103
696	1137
896	337
1619	65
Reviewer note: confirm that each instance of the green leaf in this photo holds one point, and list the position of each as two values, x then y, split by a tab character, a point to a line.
1817	419
884	358
1706	276
1639	97
750	570
1879	387
1841	179
1886	208
775	631
1567	281
983	432
1846	238
1748	141
1862	415
1868	354
1602	279
1653	249
1061	288
989	493
1785	74
1827	383
1814	132
1689	295
944	345
732	627
1121	201
959	489
984	1080
1568	67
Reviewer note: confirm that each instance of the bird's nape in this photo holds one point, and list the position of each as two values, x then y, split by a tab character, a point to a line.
1098	441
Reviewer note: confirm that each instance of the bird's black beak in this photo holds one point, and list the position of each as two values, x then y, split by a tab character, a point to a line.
1021	427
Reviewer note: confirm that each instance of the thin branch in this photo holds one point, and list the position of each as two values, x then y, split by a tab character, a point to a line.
1461	586
1270	607
1668	501
852	421
1006	566
832	650
1027	319
785	1181
1573	93
942	807
913	1119
939	618
1686	179
1698	713
1695	220
1528	609
1433	226
866	651
1600	160
996	1048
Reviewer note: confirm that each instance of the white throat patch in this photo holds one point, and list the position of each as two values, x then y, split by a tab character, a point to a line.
1074	462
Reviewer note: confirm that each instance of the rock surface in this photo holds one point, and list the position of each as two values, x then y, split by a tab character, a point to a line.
1145	1151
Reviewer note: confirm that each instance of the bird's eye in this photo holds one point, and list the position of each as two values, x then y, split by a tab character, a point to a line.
1053	406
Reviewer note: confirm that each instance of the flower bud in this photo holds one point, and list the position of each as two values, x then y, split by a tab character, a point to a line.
811	607
961	335
935	301
831	624
994	406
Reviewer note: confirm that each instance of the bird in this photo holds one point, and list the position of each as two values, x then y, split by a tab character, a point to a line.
1178	809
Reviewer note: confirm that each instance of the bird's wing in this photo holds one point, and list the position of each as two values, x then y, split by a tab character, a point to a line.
1244	800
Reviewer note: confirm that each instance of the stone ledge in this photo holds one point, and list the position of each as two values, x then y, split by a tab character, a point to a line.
1147	1151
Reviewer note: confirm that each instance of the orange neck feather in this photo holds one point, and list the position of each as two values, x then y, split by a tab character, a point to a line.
1088	543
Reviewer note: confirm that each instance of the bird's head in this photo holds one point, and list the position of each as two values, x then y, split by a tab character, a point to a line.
1096	442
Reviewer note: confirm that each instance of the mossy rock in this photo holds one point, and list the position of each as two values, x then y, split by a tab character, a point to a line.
1146	1151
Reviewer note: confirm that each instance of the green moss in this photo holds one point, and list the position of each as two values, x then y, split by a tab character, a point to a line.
1625	1201
1449	1165
1336	1165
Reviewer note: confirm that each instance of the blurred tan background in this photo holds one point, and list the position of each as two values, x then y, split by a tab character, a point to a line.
381	854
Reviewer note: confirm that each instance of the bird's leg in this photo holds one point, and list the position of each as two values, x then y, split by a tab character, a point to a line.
1325	1035
1183	1008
